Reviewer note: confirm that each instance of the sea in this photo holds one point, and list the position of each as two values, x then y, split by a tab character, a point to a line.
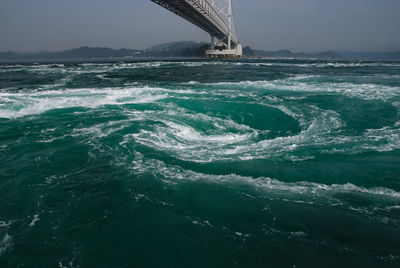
200	163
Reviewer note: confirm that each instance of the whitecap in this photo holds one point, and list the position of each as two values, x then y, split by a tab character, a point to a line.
5	243
42	101
298	234
102	129
188	143
366	91
304	189
34	220
6	224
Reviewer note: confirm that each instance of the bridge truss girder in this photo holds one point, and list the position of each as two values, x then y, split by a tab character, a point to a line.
202	14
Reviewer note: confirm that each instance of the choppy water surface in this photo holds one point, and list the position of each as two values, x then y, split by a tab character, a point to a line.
258	163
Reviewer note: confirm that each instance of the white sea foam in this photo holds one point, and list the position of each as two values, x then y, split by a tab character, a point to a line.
397	105
203	223
148	64
20	104
299	234
292	112
34	220
192	83
172	132
304	191
321	128
103	129
173	128
364	91
187	143
5	243
342	64
227	140
6	224
380	140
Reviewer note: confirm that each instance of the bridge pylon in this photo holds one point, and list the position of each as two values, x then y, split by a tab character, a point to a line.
225	47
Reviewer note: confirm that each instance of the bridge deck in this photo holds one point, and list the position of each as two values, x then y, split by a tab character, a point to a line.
200	13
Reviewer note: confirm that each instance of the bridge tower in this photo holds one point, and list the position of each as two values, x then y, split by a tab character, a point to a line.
216	17
225	47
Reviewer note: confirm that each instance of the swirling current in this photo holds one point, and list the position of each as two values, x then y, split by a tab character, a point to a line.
200	163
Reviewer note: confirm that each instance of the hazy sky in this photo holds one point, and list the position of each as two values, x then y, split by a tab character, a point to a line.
301	25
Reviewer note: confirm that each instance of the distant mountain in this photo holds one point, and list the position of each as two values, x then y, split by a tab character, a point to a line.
385	56
8	55
249	52
95	52
76	53
175	49
388	56
289	54
182	49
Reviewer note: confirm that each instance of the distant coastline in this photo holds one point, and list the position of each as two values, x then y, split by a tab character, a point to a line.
184	49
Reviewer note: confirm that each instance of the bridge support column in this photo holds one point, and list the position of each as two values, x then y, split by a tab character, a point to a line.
229	24
235	52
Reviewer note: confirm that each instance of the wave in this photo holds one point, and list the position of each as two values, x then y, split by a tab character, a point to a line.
83	68
308	83
227	140
303	84
322	137
6	224
297	191
198	137
154	64
14	105
5	243
358	64
173	132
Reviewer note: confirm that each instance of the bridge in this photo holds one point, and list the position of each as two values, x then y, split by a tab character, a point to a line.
213	16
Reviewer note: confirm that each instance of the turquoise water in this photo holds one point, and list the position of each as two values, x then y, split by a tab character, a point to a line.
253	163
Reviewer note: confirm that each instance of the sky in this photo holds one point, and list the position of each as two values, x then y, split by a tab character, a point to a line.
298	25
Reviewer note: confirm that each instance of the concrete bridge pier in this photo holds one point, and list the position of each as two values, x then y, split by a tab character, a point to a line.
235	52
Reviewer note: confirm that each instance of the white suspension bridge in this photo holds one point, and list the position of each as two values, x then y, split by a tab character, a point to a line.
216	17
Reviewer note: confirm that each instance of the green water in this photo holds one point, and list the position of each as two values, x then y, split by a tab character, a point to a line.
256	163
